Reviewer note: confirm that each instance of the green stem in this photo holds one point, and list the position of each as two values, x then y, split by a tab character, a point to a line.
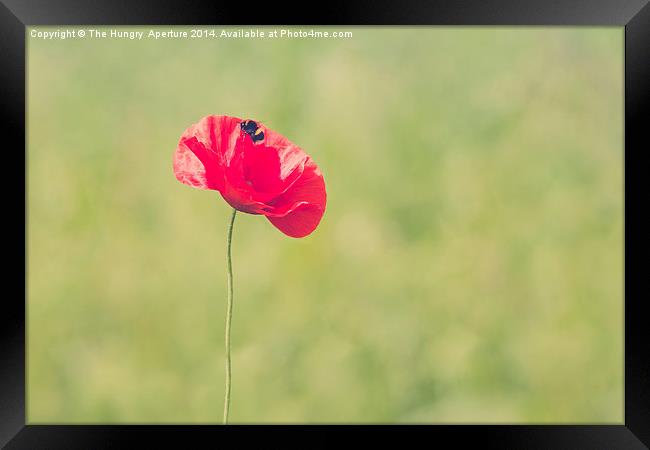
226	404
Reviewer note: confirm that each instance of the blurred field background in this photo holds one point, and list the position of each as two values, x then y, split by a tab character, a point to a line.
468	267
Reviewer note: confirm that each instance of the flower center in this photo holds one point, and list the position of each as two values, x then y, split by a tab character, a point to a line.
251	128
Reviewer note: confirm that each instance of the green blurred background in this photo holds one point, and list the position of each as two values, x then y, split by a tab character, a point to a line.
468	267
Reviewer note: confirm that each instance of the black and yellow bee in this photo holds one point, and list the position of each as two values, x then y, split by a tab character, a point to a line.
252	129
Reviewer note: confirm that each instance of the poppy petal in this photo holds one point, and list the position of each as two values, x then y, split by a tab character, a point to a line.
300	222
299	210
191	166
202	151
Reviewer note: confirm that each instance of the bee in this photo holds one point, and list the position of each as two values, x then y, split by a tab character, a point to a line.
251	128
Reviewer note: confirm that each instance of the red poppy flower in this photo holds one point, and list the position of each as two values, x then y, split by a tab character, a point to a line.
256	170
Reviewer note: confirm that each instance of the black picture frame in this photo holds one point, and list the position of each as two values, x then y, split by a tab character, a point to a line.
15	15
